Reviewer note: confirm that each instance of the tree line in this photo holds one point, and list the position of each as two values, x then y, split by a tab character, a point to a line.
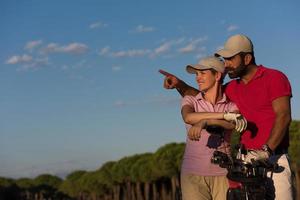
147	176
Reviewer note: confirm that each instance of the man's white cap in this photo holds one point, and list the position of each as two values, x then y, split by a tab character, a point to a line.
210	62
234	45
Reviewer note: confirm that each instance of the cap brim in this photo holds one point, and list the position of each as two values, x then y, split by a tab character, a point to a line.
224	53
192	69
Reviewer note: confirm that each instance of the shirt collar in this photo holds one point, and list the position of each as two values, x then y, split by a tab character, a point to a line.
199	97
260	71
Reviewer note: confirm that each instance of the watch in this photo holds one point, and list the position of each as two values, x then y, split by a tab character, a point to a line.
266	148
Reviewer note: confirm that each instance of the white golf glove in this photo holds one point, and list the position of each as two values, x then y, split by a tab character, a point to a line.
240	121
256	155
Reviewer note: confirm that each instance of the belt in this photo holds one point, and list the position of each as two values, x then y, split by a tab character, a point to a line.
280	151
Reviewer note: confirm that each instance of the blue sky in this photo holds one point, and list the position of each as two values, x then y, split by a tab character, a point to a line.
79	80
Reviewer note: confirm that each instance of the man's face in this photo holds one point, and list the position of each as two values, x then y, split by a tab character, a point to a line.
235	66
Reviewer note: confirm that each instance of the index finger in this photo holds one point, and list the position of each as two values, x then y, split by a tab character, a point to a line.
165	73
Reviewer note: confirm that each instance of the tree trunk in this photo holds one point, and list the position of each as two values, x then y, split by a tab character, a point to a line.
173	187
164	194
116	192
133	192
154	191
28	195
94	196
139	195
128	190
41	196
146	191
298	182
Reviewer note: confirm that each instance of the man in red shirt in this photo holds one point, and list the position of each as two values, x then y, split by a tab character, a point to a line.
263	98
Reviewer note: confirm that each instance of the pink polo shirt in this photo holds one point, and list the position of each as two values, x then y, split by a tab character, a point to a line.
197	155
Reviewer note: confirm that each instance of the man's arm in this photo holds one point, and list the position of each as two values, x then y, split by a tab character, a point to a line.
282	109
171	81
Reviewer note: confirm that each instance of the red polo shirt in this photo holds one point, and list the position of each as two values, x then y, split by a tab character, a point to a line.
254	101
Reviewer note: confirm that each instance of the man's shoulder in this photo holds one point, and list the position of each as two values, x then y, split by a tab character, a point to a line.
231	83
271	71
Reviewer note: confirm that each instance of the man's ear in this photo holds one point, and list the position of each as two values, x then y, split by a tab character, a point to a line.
247	59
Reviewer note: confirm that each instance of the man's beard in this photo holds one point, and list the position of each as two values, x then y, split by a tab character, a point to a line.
237	72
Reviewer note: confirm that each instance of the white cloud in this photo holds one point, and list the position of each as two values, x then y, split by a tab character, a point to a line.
65	67
143	29
26	68
232	28
131	53
187	49
34	64
200	55
116	68
119	103
32	44
162	48
98	25
51	47
72	48
75	48
104	51
193	45
19	59
179	40
27	62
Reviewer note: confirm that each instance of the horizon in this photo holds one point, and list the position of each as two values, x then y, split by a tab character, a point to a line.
80	81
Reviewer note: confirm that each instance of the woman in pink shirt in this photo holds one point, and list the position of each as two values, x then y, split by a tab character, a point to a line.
201	179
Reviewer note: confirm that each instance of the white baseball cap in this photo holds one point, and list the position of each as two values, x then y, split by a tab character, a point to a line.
234	45
210	62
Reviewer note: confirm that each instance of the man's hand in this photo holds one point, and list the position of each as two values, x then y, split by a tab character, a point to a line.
256	155
171	81
195	131
240	121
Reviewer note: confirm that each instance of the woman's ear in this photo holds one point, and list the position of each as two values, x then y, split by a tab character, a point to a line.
218	76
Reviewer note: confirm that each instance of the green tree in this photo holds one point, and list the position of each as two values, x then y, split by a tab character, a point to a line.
294	148
121	171
27	186
8	189
47	185
91	185
141	173
166	158
6	182
105	176
71	185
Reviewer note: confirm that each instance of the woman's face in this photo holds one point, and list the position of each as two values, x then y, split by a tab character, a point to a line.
206	79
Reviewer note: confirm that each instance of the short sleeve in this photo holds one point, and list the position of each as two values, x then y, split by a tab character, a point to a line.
279	85
232	107
188	100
